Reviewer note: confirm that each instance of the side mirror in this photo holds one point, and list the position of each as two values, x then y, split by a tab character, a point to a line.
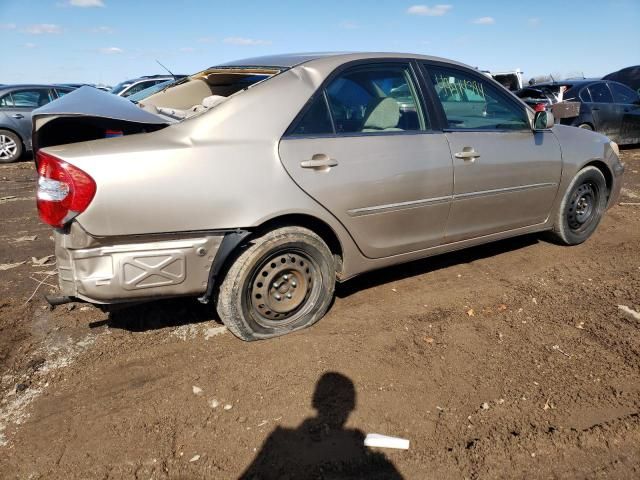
543	120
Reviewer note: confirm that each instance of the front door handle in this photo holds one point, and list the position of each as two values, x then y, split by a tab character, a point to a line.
319	161
17	115
467	153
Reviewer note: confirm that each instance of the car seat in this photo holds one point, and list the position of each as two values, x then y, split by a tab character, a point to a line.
382	115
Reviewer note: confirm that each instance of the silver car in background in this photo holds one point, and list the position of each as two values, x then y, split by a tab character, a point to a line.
255	185
16	104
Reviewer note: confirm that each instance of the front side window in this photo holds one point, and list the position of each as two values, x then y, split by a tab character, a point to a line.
600	93
375	99
622	94
31	98
471	103
6	101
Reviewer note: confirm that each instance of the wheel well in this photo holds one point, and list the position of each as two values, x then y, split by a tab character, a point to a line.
608	176
314	224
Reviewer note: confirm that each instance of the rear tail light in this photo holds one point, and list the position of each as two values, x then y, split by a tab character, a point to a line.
539	107
64	191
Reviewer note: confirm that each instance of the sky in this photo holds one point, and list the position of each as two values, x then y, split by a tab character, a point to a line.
107	41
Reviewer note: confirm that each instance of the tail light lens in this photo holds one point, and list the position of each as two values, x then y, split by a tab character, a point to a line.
64	191
539	107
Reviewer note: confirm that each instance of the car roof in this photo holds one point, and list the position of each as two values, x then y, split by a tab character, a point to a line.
27	85
290	60
567	83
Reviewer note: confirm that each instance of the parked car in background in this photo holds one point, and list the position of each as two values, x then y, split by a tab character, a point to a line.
511	80
142	94
629	76
289	172
135	85
605	106
16	104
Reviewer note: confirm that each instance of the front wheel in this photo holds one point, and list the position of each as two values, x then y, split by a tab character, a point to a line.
582	207
282	282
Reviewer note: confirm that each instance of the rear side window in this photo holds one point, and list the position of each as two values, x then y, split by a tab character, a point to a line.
600	93
585	96
622	94
374	99
61	92
471	103
316	120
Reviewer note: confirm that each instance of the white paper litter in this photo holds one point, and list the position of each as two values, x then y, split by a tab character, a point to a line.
383	441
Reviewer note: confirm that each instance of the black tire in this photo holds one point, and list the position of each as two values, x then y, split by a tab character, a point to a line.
585	126
10	146
282	282
581	208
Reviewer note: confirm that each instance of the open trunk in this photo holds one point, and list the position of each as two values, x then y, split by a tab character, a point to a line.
89	114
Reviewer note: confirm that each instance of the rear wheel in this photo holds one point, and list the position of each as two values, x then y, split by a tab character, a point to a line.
282	282
10	146
582	207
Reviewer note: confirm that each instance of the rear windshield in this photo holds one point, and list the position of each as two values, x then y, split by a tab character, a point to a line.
203	91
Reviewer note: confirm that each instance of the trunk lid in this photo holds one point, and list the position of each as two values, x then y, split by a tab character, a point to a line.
89	114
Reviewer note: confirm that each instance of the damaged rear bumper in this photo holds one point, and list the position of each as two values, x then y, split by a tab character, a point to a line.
129	269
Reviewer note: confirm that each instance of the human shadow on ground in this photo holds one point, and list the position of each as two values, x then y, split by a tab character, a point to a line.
321	447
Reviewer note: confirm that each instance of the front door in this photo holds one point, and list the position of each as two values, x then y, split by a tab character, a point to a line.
23	103
506	175
365	151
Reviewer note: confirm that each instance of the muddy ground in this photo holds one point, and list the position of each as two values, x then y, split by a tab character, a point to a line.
512	360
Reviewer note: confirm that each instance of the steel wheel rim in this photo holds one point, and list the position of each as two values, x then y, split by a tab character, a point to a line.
583	207
283	287
8	147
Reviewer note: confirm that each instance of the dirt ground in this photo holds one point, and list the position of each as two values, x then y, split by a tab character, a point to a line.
511	360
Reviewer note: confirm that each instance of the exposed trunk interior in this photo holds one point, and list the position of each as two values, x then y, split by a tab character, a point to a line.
63	130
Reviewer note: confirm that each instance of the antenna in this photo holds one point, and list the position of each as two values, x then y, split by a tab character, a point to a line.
170	72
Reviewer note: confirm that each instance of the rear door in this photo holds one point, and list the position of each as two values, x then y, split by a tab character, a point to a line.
627	104
606	118
506	175
364	148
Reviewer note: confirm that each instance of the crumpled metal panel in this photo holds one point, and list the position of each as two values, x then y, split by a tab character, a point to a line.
158	269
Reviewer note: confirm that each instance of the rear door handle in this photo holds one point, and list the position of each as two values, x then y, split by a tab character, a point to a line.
594	109
319	161
17	115
467	153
